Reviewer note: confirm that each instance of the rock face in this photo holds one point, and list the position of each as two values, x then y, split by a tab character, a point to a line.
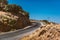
12	17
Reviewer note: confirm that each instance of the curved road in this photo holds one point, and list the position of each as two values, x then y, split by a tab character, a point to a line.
20	33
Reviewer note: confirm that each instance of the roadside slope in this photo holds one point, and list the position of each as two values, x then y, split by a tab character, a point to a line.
47	32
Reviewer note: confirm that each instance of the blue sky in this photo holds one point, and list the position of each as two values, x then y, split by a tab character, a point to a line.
40	9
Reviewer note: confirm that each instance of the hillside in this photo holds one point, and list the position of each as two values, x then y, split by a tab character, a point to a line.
47	32
12	17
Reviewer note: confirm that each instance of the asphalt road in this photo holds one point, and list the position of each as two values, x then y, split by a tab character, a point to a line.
20	33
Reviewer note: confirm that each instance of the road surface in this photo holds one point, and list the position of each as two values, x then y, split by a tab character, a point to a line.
20	33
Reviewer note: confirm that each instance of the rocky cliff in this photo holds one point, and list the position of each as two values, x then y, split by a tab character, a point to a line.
12	17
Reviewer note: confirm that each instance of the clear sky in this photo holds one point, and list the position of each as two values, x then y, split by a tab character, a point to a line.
40	9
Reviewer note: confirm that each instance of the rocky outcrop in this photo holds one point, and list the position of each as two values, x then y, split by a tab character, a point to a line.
12	17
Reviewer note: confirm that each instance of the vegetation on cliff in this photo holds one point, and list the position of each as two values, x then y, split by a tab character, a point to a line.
12	16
